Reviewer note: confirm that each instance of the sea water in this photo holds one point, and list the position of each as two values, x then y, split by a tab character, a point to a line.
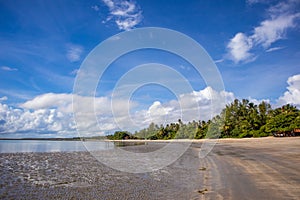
15	146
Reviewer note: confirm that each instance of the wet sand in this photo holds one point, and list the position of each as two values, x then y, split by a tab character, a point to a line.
262	168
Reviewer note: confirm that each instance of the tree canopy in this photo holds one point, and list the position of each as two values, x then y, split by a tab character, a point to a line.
238	119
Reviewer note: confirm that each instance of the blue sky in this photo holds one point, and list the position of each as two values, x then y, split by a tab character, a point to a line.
255	45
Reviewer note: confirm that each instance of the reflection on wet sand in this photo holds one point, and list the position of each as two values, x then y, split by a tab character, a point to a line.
263	168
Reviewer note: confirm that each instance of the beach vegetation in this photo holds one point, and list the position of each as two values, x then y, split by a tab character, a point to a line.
239	119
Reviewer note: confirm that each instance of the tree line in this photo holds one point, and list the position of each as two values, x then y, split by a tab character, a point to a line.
238	119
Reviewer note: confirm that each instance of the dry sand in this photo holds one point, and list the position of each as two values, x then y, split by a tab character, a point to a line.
263	168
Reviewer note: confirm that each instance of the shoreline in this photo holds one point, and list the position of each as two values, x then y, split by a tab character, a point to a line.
203	140
256	168
140	140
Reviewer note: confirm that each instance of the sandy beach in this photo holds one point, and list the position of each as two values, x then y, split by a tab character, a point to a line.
256	168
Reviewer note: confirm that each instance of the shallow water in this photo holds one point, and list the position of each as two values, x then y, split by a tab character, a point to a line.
15	146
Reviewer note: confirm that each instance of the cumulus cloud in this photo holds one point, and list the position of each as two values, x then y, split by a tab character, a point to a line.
292	95
6	68
74	52
4	98
17	120
126	14
159	113
202	101
239	47
197	105
258	101
62	102
53	113
281	17
86	109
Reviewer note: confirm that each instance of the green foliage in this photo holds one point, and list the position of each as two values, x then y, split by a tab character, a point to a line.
121	135
148	133
245	119
177	130
283	119
239	119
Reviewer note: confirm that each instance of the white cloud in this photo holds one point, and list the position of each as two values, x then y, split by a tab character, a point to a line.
95	8
283	7
274	49
74	52
251	2
6	68
196	105
16	120
101	108
18	94
49	113
239	47
126	9
292	95
126	24
53	113
203	100
258	101
273	29
109	3
62	102
158	113
3	98
74	72
219	61
282	17
126	14
184	67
